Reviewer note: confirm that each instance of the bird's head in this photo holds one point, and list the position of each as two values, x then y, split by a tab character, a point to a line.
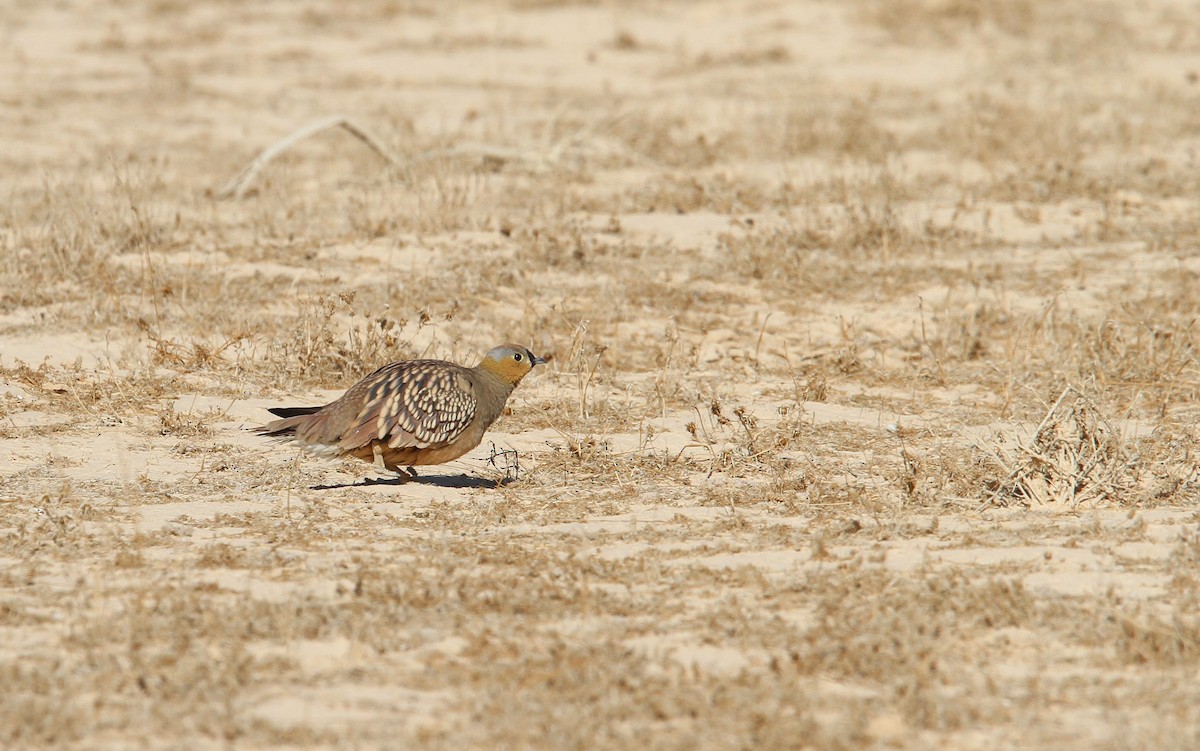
510	362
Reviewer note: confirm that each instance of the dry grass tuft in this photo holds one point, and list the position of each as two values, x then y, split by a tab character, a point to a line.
1077	456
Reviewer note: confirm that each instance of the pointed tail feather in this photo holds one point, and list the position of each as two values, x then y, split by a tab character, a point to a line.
293	417
292	411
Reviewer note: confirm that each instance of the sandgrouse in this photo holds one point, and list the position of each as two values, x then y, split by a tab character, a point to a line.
411	412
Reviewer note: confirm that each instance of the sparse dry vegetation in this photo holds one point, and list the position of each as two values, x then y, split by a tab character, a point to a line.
871	419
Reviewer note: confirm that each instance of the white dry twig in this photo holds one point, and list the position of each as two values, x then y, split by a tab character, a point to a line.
549	154
237	187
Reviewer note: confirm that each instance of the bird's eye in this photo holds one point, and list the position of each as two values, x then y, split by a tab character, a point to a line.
517	356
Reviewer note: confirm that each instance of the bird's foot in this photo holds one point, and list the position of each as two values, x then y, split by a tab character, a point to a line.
389	475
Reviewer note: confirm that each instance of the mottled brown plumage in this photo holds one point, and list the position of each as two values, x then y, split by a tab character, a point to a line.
409	413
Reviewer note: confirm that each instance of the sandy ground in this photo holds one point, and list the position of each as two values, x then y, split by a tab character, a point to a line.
870	421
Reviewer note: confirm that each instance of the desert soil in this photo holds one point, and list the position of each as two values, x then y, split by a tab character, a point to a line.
871	419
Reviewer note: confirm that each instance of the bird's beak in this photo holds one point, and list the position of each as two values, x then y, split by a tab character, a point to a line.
538	360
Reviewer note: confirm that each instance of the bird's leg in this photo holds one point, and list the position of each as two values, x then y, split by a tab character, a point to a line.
391	470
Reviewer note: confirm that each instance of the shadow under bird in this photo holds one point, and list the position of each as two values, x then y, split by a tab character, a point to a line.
409	413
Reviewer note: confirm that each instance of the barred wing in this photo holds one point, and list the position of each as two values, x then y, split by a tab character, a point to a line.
411	404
